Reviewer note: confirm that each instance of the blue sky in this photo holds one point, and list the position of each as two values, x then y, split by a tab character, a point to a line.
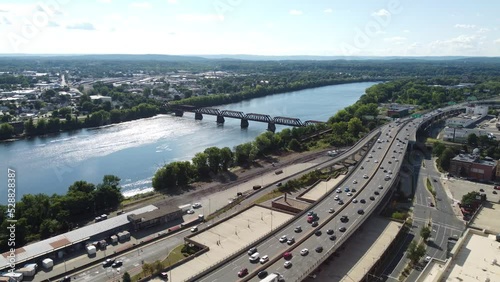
270	27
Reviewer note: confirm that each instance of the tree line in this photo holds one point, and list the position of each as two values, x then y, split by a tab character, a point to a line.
41	216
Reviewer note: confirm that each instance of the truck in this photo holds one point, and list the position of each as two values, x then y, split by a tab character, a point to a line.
91	250
273	277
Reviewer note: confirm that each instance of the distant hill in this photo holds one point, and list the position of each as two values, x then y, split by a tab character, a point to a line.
110	57
328	58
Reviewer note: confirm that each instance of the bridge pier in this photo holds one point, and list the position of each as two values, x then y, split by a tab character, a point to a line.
220	119
271	127
244	123
198	116
178	113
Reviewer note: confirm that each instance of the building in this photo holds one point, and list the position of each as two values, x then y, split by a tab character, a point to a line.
101	98
472	167
476	110
155	217
460	135
397	111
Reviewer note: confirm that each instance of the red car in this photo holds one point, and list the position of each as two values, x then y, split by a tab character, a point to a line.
287	255
243	272
496	187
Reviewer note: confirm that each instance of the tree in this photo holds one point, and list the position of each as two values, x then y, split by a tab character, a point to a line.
425	232
148	268
415	252
200	162
445	158
355	126
126	277
438	148
226	158
294	145
469	198
165	178
213	159
6	131
472	140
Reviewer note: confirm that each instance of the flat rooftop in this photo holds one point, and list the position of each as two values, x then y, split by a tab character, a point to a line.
476	260
322	188
234	234
487	218
361	251
47	246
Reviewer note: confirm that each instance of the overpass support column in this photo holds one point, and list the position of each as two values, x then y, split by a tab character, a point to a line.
244	123
178	113
220	119
198	116
271	127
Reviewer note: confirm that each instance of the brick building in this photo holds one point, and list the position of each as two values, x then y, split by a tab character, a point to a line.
472	167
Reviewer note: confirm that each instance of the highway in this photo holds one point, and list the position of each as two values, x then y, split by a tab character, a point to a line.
380	156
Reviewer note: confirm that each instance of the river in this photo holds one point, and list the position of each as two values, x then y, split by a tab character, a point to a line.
135	150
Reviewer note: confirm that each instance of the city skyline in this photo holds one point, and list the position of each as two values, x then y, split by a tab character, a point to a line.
273	28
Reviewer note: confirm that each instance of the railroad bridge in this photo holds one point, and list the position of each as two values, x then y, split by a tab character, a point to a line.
222	114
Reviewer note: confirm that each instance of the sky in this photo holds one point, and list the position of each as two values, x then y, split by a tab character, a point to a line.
257	27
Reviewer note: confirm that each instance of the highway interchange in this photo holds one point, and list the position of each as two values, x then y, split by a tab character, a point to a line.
382	153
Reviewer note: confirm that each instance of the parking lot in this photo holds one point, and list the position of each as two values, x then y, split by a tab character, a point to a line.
459	188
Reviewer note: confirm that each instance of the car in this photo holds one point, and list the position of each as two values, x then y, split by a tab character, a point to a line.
252	251
336	198
354	181
342	229
164	275
496	187
362	167
397	160
304	252
393	157
279	184
344	218
353	190
287	264
341	202
385	170
331	210
314	224
117	263
370	156
379	147
376	193
283	239
375	161
310	219
495	192
372	198
360	211
317	233
287	255
389	162
387	177
365	176
349	194
380	187
329	231
362	201
373	151
262	274
481	190
66	279
243	272
333	237
108	262
194	229
290	241
346	189
427	259
338	190
431	204
196	206
309	213
368	160
298	229
264	259
389	172
319	249
190	211
354	200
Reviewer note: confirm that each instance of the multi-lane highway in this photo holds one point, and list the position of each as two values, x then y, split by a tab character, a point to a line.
373	171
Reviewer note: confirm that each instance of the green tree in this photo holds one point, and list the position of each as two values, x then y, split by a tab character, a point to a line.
294	145
6	131
472	140
200	163
415	252
126	277
445	158
355	126
213	159
226	158
469	198
438	148
148	269
425	232
165	178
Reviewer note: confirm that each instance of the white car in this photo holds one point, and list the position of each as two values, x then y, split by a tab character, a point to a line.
287	264
375	161
304	252
338	190
190	211
354	181
264	259
336	197
283	239
196	205
349	194
365	176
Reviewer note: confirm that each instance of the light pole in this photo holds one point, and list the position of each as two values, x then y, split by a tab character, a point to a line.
271	220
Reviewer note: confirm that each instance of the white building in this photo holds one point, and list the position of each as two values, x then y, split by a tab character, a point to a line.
100	97
476	110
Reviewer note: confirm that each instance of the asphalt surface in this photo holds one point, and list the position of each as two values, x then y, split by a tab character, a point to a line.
365	188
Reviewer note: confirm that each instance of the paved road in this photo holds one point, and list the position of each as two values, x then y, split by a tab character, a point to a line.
274	249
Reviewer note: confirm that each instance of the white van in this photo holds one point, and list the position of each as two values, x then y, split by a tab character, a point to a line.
255	257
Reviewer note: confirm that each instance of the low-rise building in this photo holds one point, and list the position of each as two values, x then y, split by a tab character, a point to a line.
156	217
460	135
101	98
397	111
472	167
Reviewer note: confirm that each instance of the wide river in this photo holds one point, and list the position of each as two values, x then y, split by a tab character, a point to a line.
135	150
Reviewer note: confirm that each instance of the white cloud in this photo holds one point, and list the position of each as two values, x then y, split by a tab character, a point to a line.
328	10
81	25
398	40
200	18
172	1
483	30
381	13
497	41
466	26
140	5
457	45
105	1
295	12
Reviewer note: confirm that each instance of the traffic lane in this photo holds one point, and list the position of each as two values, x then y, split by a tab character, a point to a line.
299	265
288	229
133	259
